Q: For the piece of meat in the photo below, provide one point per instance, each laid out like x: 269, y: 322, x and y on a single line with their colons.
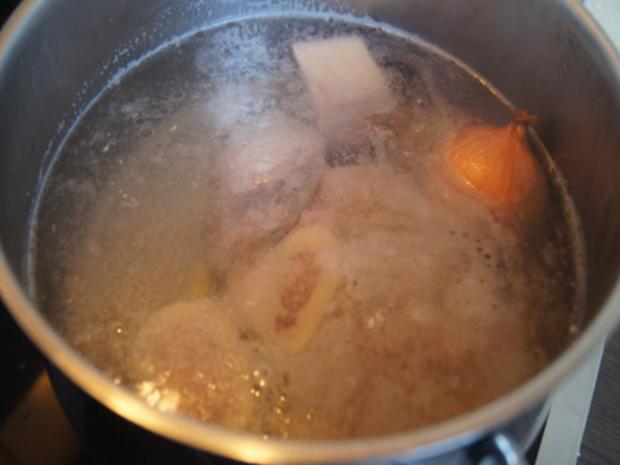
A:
x: 345, y: 82
x: 267, y: 175
x: 283, y: 297
x: 189, y: 358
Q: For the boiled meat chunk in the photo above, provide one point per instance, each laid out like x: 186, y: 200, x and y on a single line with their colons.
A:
x: 268, y: 174
x: 344, y: 81
x: 283, y: 299
x: 188, y: 358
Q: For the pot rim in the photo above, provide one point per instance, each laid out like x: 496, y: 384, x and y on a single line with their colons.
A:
x: 420, y: 443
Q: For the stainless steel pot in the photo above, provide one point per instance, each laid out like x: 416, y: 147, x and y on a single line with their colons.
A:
x: 545, y: 55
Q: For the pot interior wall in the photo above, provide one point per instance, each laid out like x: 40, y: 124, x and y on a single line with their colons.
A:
x: 535, y: 52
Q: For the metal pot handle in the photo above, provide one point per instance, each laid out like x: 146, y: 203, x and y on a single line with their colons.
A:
x: 498, y: 449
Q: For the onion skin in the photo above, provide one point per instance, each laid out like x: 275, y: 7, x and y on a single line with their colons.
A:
x: 496, y: 162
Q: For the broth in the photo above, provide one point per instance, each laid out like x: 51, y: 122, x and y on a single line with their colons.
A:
x: 212, y: 241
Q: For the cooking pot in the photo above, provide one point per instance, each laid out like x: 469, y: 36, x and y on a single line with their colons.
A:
x: 547, y: 56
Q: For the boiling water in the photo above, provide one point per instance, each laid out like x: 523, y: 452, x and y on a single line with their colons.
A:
x: 204, y: 240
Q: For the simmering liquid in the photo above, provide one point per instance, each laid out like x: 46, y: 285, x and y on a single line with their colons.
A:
x: 213, y: 242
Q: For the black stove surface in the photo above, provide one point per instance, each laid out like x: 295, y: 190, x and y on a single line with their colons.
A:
x: 20, y: 363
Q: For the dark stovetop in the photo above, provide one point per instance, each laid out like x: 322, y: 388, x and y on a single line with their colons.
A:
x: 6, y: 7
x: 601, y: 441
x: 20, y: 363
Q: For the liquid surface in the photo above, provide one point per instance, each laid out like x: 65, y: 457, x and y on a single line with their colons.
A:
x: 211, y: 243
